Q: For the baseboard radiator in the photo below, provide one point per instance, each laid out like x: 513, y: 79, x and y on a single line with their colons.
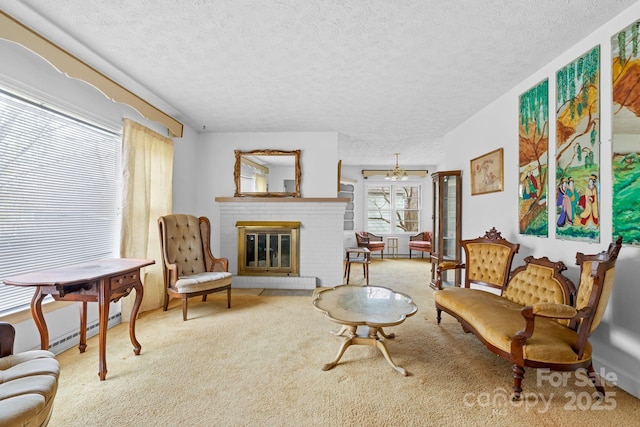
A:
x: 73, y: 338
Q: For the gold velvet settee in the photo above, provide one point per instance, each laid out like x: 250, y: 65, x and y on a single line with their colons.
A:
x: 28, y: 383
x: 538, y: 320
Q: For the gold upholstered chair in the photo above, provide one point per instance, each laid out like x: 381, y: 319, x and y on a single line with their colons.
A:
x: 556, y: 336
x: 189, y: 267
x: 487, y: 263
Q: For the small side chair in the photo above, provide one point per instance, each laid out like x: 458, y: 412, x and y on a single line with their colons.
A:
x: 370, y: 241
x: 189, y: 268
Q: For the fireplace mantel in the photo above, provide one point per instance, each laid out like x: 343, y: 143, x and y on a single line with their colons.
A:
x: 283, y: 199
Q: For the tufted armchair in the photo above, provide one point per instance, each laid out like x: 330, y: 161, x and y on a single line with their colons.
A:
x: 370, y: 241
x: 487, y: 261
x: 28, y: 383
x: 189, y: 267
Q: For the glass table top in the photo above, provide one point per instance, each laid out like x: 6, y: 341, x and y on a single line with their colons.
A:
x: 364, y: 305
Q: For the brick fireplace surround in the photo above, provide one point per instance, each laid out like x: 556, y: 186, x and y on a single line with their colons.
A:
x: 321, y: 236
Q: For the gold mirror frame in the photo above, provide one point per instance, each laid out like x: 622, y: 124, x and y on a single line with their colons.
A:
x: 236, y: 173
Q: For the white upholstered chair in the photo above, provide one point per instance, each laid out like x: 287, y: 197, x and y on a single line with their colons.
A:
x: 189, y: 267
x: 28, y: 383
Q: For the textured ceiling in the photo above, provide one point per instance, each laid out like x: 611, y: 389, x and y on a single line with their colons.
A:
x: 387, y: 75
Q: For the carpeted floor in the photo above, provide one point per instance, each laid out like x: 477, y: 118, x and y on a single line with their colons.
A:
x: 260, y: 364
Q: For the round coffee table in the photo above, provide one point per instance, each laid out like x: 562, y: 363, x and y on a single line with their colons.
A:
x: 373, y: 307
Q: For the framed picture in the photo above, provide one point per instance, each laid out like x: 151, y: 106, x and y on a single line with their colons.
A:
x: 487, y: 174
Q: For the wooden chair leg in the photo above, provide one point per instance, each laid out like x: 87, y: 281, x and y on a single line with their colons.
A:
x: 438, y: 315
x: 228, y: 297
x: 184, y: 307
x: 596, y: 381
x: 518, y: 375
x: 348, y: 271
x: 166, y: 300
x: 366, y: 272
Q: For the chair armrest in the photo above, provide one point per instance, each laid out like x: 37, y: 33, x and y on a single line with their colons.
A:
x: 555, y: 311
x: 375, y: 238
x: 443, y: 266
x: 218, y: 264
x: 418, y: 237
x: 548, y: 310
x: 7, y: 337
x: 449, y: 265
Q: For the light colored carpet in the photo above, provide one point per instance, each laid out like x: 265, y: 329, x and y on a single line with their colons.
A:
x: 260, y: 364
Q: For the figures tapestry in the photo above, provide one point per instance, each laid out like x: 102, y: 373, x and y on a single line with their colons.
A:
x: 577, y: 194
x: 626, y: 127
x: 533, y: 135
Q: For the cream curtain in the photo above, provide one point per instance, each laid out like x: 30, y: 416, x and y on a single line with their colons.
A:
x: 147, y: 169
x: 261, y: 182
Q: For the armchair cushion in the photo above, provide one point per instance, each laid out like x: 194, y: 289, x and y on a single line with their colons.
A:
x: 202, y: 281
x: 28, y: 383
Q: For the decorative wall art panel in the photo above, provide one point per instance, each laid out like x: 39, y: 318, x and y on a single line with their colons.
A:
x: 626, y: 134
x: 533, y: 135
x: 577, y: 193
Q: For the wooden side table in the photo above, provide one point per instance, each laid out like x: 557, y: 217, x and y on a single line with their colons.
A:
x: 101, y: 281
x: 353, y: 256
x: 392, y: 246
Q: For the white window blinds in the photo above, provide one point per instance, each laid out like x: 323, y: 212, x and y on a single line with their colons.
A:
x: 59, y: 193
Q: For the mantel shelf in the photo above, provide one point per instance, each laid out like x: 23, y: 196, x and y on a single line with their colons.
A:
x: 283, y: 199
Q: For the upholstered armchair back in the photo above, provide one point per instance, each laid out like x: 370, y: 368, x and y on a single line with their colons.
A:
x: 488, y: 263
x: 488, y: 260
x: 539, y: 284
x: 592, y: 272
x: 184, y: 246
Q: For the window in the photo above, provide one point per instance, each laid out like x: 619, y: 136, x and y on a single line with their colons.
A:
x: 59, y: 193
x: 393, y: 208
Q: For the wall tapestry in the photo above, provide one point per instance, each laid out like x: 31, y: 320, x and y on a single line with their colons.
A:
x: 578, y: 149
x: 533, y: 135
x: 626, y: 134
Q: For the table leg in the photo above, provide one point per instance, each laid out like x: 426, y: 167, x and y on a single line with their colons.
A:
x: 371, y: 339
x: 82, y: 346
x: 345, y: 344
x: 134, y: 314
x: 384, y: 335
x: 383, y: 348
x: 103, y: 320
x: 38, y: 318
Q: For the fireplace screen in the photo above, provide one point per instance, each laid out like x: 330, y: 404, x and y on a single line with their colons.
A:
x: 268, y: 248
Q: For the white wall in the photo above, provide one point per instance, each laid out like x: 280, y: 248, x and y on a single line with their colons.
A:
x: 216, y: 159
x: 617, y: 341
x: 185, y: 177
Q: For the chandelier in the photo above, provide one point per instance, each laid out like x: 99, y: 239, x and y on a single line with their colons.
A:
x: 396, y: 174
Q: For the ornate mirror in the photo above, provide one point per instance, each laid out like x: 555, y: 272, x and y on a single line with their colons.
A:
x: 267, y: 173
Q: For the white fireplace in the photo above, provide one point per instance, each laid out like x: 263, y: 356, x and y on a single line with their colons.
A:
x: 320, y: 238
